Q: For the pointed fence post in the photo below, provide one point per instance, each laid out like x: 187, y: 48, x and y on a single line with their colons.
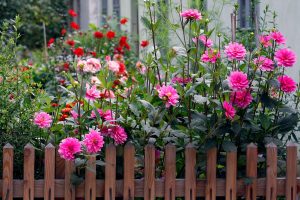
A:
x: 251, y: 171
x: 211, y: 166
x: 231, y: 171
x: 271, y: 187
x: 149, y: 167
x: 8, y: 164
x: 29, y: 156
x: 291, y: 172
x: 190, y: 172
x: 90, y: 179
x: 49, y: 172
x: 128, y: 187
x: 110, y: 172
x: 170, y: 172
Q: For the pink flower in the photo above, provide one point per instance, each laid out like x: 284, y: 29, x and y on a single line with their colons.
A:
x: 210, y: 55
x: 229, y: 110
x: 113, y: 66
x: 169, y: 95
x: 265, y: 40
x: 277, y: 37
x: 42, y: 119
x: 93, y: 141
x: 238, y: 81
x: 140, y: 67
x: 191, y: 14
x: 107, y: 94
x: 118, y: 134
x: 181, y: 80
x: 285, y: 57
x: 235, y: 51
x: 92, y: 93
x: 92, y: 65
x: 205, y: 40
x: 106, y: 116
x: 264, y: 63
x: 287, y: 84
x: 68, y: 148
x: 74, y: 114
x: 95, y: 80
x: 241, y: 98
x: 81, y: 65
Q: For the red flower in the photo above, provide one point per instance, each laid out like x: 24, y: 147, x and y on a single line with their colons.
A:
x: 127, y: 46
x: 118, y: 50
x: 98, y: 35
x: 72, y: 13
x: 110, y: 34
x: 51, y: 41
x: 70, y: 42
x: 93, y: 53
x: 123, y: 41
x: 144, y: 43
x: 123, y: 20
x: 63, y: 32
x: 54, y: 104
x: 78, y: 51
x: 66, y: 66
x: 74, y: 26
x: 122, y: 68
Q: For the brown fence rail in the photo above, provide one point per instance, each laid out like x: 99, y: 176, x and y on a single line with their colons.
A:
x: 54, y: 186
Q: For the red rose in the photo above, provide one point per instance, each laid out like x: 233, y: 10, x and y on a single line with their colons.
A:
x: 70, y: 42
x: 144, y: 43
x: 78, y: 51
x: 72, y: 13
x: 98, y: 35
x: 51, y: 41
x: 63, y: 32
x: 122, y: 68
x: 123, y: 41
x: 66, y: 66
x: 110, y: 34
x: 123, y: 20
x: 93, y: 53
x: 74, y: 26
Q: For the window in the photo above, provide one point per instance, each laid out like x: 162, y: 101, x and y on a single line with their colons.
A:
x: 104, y: 10
x: 244, y: 13
x: 116, y: 8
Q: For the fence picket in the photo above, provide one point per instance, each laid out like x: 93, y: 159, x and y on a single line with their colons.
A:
x: 231, y: 170
x: 49, y: 172
x: 291, y: 173
x: 190, y: 172
x: 8, y: 159
x: 90, y: 179
x: 271, y: 187
x: 110, y: 172
x: 251, y: 171
x: 149, y: 167
x: 210, y: 189
x: 29, y: 156
x: 170, y: 172
x: 69, y: 187
x: 128, y: 187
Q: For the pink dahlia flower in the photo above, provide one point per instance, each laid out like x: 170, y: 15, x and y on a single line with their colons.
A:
x: 191, y: 14
x: 205, y: 40
x: 68, y: 148
x: 169, y: 95
x: 118, y: 134
x: 106, y: 116
x: 210, y: 56
x: 265, y: 40
x: 92, y: 93
x: 113, y: 66
x: 92, y: 65
x: 238, y: 81
x: 241, y: 98
x: 287, y: 84
x: 93, y: 141
x: 81, y: 65
x: 235, y: 51
x: 181, y: 80
x: 74, y: 114
x: 229, y: 110
x: 264, y: 63
x: 107, y: 94
x: 285, y: 57
x: 42, y: 119
x: 277, y: 37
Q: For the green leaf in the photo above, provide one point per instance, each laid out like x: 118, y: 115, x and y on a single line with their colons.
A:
x: 265, y: 122
x: 146, y: 22
x: 76, y: 180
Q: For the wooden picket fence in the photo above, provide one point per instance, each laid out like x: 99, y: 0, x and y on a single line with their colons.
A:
x: 149, y: 187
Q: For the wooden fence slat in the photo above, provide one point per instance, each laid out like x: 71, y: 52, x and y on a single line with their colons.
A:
x: 211, y: 166
x: 190, y: 172
x: 29, y: 156
x: 170, y: 172
x: 251, y: 171
x: 69, y: 193
x: 49, y: 192
x: 8, y: 159
x: 231, y: 171
x: 149, y: 167
x: 291, y: 172
x: 271, y: 186
x: 129, y: 161
x: 59, y: 166
x: 110, y: 172
x: 90, y: 179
